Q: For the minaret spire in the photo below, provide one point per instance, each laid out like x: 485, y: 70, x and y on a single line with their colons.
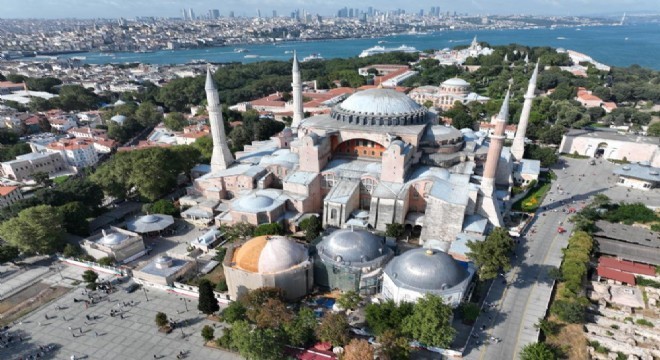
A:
x: 495, y: 147
x: 518, y: 147
x: 296, y: 88
x: 222, y: 157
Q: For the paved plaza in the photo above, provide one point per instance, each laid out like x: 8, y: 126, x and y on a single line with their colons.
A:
x: 131, y: 335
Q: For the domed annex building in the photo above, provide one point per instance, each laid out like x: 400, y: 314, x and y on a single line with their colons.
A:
x: 122, y: 245
x: 351, y: 260
x: 447, y: 94
x: 377, y: 158
x: 273, y: 261
x: 418, y: 272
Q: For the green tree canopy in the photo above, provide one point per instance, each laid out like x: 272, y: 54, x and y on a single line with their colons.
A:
x: 269, y: 229
x: 430, y: 322
x: 387, y: 316
x: 300, y: 331
x: 75, y: 216
x: 208, y: 304
x: 161, y: 319
x: 334, y: 329
x: 8, y: 253
x: 38, y: 229
x: 349, y: 300
x: 537, y: 351
x: 175, y: 121
x: 312, y: 226
x: 492, y: 254
x: 163, y: 206
x: 256, y: 344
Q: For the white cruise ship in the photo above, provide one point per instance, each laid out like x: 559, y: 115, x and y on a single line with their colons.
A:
x: 381, y: 50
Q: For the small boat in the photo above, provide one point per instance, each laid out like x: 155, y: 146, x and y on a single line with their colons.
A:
x: 288, y: 51
x: 240, y: 50
x: 561, y: 38
x: 251, y: 56
x: 81, y: 58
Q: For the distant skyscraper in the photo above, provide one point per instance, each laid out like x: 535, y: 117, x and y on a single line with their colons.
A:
x: 214, y: 14
x: 258, y: 13
x: 231, y: 14
x: 370, y: 11
x: 274, y: 13
x: 191, y: 14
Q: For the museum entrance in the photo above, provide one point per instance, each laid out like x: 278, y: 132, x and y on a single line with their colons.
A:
x: 600, y: 151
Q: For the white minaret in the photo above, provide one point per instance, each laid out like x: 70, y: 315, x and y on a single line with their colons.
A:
x: 222, y: 157
x: 518, y: 147
x: 296, y: 89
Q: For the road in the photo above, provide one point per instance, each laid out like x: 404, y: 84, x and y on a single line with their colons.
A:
x: 520, y: 303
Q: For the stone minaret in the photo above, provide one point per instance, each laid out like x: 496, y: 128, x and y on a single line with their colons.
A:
x: 488, y: 204
x: 495, y: 148
x: 222, y: 157
x: 296, y: 89
x: 518, y: 147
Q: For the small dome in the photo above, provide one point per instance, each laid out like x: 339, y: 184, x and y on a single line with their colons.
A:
x: 426, y: 269
x: 120, y: 119
x: 455, y: 82
x: 114, y: 238
x: 149, y: 219
x: 380, y: 101
x: 352, y: 246
x: 255, y: 202
x: 269, y: 254
x: 163, y: 262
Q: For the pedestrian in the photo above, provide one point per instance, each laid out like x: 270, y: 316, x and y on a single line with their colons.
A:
x: 80, y: 330
x: 96, y: 334
x: 86, y: 305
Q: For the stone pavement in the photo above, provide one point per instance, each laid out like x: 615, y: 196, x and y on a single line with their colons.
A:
x: 135, y: 336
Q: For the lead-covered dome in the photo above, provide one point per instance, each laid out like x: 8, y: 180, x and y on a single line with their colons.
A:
x: 255, y: 202
x: 456, y: 82
x: 269, y: 254
x: 352, y: 246
x: 113, y: 238
x: 384, y: 107
x: 426, y: 269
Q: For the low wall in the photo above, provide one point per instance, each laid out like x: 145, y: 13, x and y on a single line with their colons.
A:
x: 94, y: 266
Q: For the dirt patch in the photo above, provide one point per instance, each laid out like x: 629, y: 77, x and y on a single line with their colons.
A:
x: 217, y: 274
x: 571, y: 338
x: 28, y: 300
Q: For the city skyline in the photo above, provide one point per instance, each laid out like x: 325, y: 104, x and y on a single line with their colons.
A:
x: 172, y: 8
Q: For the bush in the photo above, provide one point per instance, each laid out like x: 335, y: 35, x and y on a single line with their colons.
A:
x: 614, y: 326
x: 568, y: 311
x: 221, y: 286
x: 269, y: 229
x: 470, y: 312
x: 72, y: 251
x: 234, y: 312
x: 207, y: 332
x: 224, y: 341
x: 394, y: 230
x: 641, y: 281
x: 630, y: 214
x: 161, y: 319
x: 644, y: 322
x: 220, y: 254
x: 107, y: 261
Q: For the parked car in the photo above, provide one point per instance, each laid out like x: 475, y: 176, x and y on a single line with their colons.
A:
x: 131, y: 288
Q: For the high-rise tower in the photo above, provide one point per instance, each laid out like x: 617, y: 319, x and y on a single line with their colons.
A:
x: 518, y: 147
x: 296, y: 89
x: 222, y: 157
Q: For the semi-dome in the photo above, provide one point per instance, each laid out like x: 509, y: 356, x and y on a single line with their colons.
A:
x: 349, y: 245
x: 382, y: 107
x: 380, y: 101
x: 120, y: 119
x: 455, y: 82
x: 426, y: 269
x: 114, y: 238
x: 269, y: 254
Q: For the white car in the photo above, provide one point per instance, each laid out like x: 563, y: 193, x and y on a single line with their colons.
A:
x: 359, y: 331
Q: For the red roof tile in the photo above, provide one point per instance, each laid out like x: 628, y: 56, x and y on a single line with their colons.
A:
x: 613, y: 274
x: 627, y: 266
x: 5, y: 190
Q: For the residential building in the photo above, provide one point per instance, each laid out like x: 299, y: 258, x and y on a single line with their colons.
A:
x: 9, y: 195
x: 26, y: 165
x: 78, y: 153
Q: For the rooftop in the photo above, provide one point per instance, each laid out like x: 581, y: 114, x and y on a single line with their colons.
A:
x: 642, y: 171
x: 610, y: 134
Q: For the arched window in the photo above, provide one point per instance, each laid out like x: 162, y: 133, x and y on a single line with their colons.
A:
x: 328, y: 181
x: 333, y: 214
x: 368, y: 184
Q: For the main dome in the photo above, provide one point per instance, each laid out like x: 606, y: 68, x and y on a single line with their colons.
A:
x: 426, y: 269
x: 380, y: 101
x: 379, y: 107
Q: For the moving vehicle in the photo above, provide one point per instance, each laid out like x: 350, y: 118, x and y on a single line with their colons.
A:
x: 561, y: 230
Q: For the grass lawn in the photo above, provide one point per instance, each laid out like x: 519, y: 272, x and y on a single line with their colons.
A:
x: 533, y: 199
x: 575, y: 156
x: 60, y: 179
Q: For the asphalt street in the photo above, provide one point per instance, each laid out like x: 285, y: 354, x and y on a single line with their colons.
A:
x: 520, y: 301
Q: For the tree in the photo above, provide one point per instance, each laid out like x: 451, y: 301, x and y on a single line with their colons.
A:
x: 349, y: 300
x: 547, y: 156
x: 256, y: 344
x: 300, y: 331
x: 470, y: 312
x: 208, y: 304
x: 334, y: 329
x: 147, y: 115
x: 90, y: 277
x: 312, y: 227
x: 72, y: 251
x: 161, y: 319
x: 42, y: 178
x: 205, y: 147
x: 239, y: 231
x: 601, y: 200
x: 393, y: 346
x: 394, y: 230
x: 387, y: 316
x: 163, y: 206
x: 272, y: 314
x: 537, y: 351
x: 38, y: 229
x: 430, y: 322
x: 462, y: 121
x: 234, y: 312
x: 269, y: 229
x: 492, y: 254
x: 75, y: 216
x: 358, y: 349
x: 75, y: 97
x: 221, y: 286
x: 107, y: 261
x: 207, y: 332
x: 548, y: 327
x: 568, y: 311
x: 654, y: 129
x: 8, y: 253
x: 175, y: 121
x: 552, y: 135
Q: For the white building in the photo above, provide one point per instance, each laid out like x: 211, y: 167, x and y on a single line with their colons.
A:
x: 640, y: 176
x: 447, y: 94
x: 123, y: 245
x: 78, y: 153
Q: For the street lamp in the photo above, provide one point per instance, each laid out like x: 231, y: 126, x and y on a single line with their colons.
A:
x: 185, y: 302
x: 145, y: 293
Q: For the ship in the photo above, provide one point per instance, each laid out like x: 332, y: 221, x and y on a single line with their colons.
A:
x: 240, y: 50
x: 251, y: 56
x: 382, y: 50
x: 312, y: 57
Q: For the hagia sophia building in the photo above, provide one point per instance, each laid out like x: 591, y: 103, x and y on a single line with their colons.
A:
x: 377, y: 158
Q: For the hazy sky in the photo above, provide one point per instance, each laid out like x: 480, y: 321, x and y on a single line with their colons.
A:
x: 172, y: 8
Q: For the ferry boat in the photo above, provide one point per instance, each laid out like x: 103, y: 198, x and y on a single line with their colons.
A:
x: 240, y: 50
x: 312, y: 57
x: 382, y: 50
